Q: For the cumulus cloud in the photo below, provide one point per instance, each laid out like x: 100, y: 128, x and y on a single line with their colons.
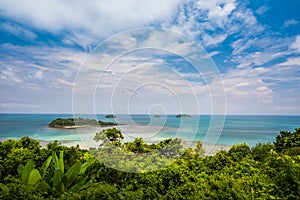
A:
x: 212, y: 22
x: 219, y: 15
x: 100, y: 18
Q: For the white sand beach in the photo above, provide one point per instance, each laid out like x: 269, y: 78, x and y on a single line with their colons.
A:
x: 149, y: 133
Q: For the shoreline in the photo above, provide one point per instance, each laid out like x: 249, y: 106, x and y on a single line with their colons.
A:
x: 70, y: 127
x: 209, y: 149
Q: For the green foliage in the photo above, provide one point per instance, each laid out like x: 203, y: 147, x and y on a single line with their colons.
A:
x: 26, y: 171
x: 284, y: 172
x: 262, y: 151
x: 137, y: 146
x: 15, y: 152
x: 34, y: 177
x: 30, y: 144
x: 45, y: 166
x: 286, y: 141
x: 109, y: 135
x: 240, y: 173
x: 239, y: 151
x: 58, y: 162
x: 199, y: 148
x: 13, y: 189
x: 170, y: 147
x: 102, y: 123
x: 61, y: 182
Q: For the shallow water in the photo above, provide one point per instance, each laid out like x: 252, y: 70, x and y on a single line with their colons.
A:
x: 237, y: 129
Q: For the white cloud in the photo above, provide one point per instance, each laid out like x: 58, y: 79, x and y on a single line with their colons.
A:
x: 212, y: 54
x: 213, y: 40
x: 18, y: 31
x: 99, y: 18
x: 219, y: 15
x: 39, y: 75
x: 42, y: 65
x: 246, y: 90
x: 296, y: 44
x: 261, y: 10
x: 210, y: 21
x: 208, y: 5
x: 290, y: 22
x: 10, y: 75
x: 64, y: 82
x: 19, y: 105
x: 247, y: 17
x: 214, y: 21
x: 291, y: 62
x: 267, y: 49
x: 263, y: 89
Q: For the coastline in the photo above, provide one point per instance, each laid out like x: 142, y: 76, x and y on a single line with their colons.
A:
x: 70, y: 127
x: 87, y: 132
x: 210, y: 149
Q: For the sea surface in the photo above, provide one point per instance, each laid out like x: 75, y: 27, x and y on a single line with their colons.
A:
x: 226, y: 130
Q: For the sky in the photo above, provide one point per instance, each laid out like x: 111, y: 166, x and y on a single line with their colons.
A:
x: 52, y: 52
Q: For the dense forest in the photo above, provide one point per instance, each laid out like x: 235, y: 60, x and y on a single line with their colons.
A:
x: 265, y: 171
x: 69, y: 122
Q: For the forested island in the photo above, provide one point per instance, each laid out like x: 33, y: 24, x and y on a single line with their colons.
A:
x: 110, y: 116
x: 183, y: 116
x: 265, y: 171
x: 70, y: 123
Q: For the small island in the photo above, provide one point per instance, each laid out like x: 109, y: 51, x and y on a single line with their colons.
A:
x: 110, y: 116
x: 157, y: 116
x: 183, y: 116
x: 69, y: 123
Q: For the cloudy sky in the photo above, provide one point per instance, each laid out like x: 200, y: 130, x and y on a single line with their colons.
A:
x: 255, y: 45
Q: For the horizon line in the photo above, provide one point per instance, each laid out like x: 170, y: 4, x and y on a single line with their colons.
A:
x: 227, y: 114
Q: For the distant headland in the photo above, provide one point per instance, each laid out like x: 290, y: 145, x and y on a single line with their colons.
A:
x: 72, y: 123
x: 110, y: 116
x: 183, y: 116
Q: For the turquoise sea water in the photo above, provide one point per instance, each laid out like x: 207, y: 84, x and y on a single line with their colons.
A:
x: 237, y: 128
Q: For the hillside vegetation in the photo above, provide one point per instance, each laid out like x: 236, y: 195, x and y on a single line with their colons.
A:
x: 266, y: 171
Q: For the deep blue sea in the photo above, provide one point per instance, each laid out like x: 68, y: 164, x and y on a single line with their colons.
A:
x: 237, y: 128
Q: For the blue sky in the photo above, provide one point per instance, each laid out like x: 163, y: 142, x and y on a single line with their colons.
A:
x: 254, y: 44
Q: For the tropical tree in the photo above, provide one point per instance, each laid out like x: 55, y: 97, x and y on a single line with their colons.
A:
x: 288, y: 142
x: 112, y: 135
x: 137, y: 146
x: 239, y: 151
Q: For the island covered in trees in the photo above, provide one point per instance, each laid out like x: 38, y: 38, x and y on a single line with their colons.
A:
x: 110, y: 116
x: 70, y: 123
x: 183, y: 116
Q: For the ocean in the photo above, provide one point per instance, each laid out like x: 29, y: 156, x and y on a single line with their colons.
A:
x: 248, y: 129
